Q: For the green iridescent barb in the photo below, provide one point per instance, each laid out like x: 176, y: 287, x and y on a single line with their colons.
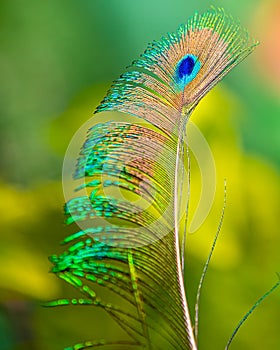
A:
x: 129, y: 242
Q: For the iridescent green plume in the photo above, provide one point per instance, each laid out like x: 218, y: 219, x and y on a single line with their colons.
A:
x: 128, y: 206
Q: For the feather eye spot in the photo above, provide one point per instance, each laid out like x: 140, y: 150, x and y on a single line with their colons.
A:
x: 186, y: 66
x: 186, y: 70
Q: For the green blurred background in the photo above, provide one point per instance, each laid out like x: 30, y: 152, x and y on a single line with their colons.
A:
x: 57, y: 59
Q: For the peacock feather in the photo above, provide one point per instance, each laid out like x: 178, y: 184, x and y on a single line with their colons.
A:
x: 129, y: 198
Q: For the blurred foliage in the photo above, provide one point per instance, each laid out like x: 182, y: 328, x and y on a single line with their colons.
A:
x: 57, y: 59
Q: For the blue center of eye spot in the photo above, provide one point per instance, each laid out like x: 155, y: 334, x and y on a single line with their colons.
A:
x: 186, y: 70
x: 186, y: 66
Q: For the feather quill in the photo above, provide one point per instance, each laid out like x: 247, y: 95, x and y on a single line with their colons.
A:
x: 132, y: 248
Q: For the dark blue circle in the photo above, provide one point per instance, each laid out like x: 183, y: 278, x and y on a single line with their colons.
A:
x: 186, y: 66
